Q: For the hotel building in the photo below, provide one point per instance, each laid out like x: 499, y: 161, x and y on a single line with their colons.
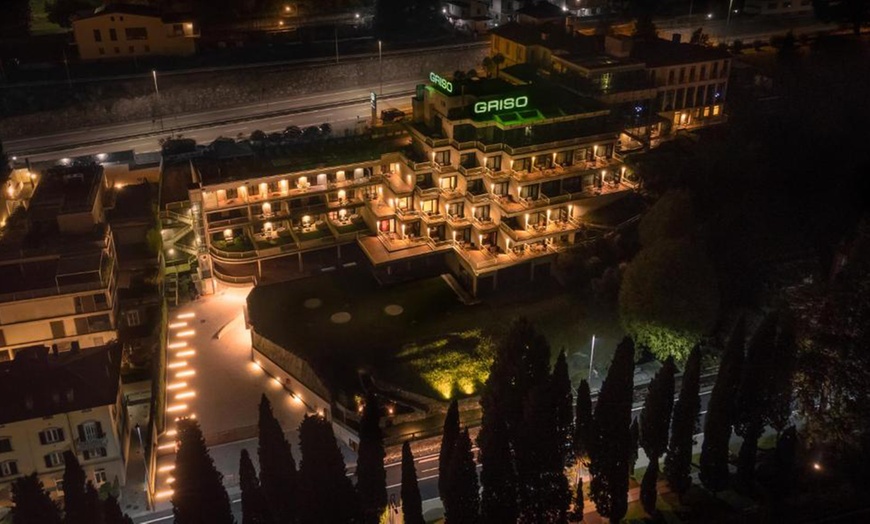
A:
x: 56, y: 402
x: 489, y: 176
x: 58, y: 262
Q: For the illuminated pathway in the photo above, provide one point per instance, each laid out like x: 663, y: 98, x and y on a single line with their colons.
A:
x: 210, y: 377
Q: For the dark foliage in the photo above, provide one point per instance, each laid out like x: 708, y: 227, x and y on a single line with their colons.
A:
x: 326, y: 494
x: 610, y: 458
x: 720, y: 413
x: 371, y: 476
x: 462, y: 491
x: 253, y: 502
x: 74, y: 501
x: 584, y: 433
x: 678, y: 463
x: 278, y: 476
x: 449, y: 435
x: 112, y: 513
x: 32, y: 505
x: 655, y: 422
x: 412, y: 503
x: 199, y: 495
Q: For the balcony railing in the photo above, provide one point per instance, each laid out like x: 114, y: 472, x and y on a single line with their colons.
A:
x: 472, y: 172
x: 92, y: 443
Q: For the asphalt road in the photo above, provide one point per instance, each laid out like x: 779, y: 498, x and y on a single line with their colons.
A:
x: 339, y: 108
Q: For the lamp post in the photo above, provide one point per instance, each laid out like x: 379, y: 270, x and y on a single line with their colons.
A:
x: 591, y: 358
x: 380, y: 70
x: 147, y: 475
x: 154, y: 75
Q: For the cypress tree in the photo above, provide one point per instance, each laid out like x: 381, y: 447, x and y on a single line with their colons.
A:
x: 578, y: 502
x: 754, y: 394
x: 584, y: 427
x: 253, y: 502
x: 462, y: 490
x: 199, y: 495
x: 563, y: 401
x: 609, y: 467
x: 412, y: 503
x: 449, y: 435
x: 720, y: 413
x: 655, y: 421
x: 278, y: 477
x: 498, y: 477
x: 784, y: 361
x: 326, y: 493
x: 678, y: 463
x: 93, y: 506
x: 371, y: 476
x: 112, y: 513
x: 31, y: 504
x: 540, y: 462
x: 74, y: 501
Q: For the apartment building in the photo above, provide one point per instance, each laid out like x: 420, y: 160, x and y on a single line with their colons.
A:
x: 58, y: 263
x: 131, y: 30
x: 54, y: 402
x: 654, y: 86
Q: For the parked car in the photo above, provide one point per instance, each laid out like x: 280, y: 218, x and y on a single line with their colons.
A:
x: 292, y: 133
x: 325, y: 129
x: 392, y: 115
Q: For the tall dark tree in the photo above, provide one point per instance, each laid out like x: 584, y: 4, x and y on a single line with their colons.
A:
x: 5, y: 165
x: 31, y: 504
x: 544, y: 495
x: 326, y: 494
x: 655, y: 422
x: 371, y: 476
x: 563, y: 402
x: 720, y: 413
x: 754, y: 395
x: 578, y: 504
x: 74, y: 503
x: 93, y: 505
x: 781, y: 379
x: 584, y: 428
x: 199, y: 495
x: 112, y: 513
x: 278, y: 477
x: 609, y: 467
x: 498, y: 476
x: 253, y: 503
x: 678, y: 463
x: 449, y: 434
x: 412, y: 503
x: 60, y: 12
x: 462, y: 491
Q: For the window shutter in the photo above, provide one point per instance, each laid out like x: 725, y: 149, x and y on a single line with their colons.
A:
x: 60, y: 432
x: 47, y: 461
x: 81, y: 428
x: 99, y: 428
x: 13, y: 468
x: 42, y: 439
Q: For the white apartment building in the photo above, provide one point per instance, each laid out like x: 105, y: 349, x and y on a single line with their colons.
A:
x: 54, y: 402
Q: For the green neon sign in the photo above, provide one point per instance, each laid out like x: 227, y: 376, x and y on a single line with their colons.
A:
x: 501, y: 104
x: 441, y: 82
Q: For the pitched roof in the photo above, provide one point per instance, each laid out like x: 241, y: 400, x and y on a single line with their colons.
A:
x: 38, y: 384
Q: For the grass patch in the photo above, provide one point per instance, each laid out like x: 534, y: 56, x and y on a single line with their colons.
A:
x: 39, y: 24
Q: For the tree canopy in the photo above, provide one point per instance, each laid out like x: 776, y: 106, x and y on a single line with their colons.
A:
x: 678, y: 462
x: 278, y: 476
x: 371, y: 476
x: 412, y: 503
x: 199, y: 494
x: 670, y: 218
x: 669, y: 298
x: 326, y: 494
x: 32, y: 505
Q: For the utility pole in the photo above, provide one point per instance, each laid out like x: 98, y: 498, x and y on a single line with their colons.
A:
x: 157, y: 94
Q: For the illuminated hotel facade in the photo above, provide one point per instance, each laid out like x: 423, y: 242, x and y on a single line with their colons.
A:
x: 488, y: 174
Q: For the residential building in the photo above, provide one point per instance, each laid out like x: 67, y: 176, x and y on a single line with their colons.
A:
x: 472, y: 16
x: 55, y: 402
x: 132, y: 30
x: 59, y: 266
x: 653, y: 87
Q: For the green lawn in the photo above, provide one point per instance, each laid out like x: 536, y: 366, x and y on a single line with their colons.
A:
x: 437, y: 346
x: 39, y: 24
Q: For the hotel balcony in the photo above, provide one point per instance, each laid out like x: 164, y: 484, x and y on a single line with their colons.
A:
x: 489, y: 258
x: 399, y: 184
x: 432, y: 218
x: 471, y: 173
x: 457, y: 221
x: 567, y: 170
x: 303, y: 185
x: 540, y: 231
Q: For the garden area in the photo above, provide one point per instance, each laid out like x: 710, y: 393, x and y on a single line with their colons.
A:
x: 240, y: 243
x: 417, y: 335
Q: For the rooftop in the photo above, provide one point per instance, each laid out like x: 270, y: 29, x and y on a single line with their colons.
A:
x: 132, y: 9
x: 541, y: 10
x: 218, y: 165
x: 39, y: 384
x: 661, y: 52
x: 66, y: 189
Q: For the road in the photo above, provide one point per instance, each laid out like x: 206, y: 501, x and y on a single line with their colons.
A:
x: 340, y: 108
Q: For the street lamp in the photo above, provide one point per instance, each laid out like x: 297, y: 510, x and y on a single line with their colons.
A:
x: 591, y: 357
x: 154, y: 75
x: 147, y: 475
x: 380, y: 70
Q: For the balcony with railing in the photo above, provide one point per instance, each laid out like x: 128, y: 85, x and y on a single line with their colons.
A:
x: 538, y: 231
x: 92, y: 443
x: 399, y: 184
x: 470, y: 173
